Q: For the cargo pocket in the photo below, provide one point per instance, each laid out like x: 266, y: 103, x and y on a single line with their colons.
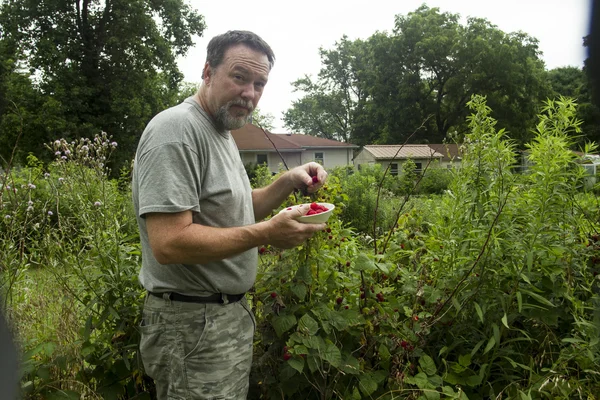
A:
x: 244, y: 304
x: 154, y: 344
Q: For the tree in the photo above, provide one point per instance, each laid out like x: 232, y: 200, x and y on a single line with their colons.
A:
x: 382, y: 89
x: 263, y: 120
x: 575, y: 83
x: 328, y: 110
x: 99, y: 65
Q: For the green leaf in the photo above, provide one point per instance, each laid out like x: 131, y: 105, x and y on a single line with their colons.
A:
x: 314, y: 342
x: 63, y: 395
x: 420, y: 380
x: 364, y: 263
x: 524, y: 396
x: 367, y: 384
x: 43, y: 373
x: 299, y: 290
x: 451, y: 378
x: 297, y: 363
x: 479, y: 312
x: 283, y: 323
x: 350, y: 365
x: 338, y: 321
x: 427, y: 364
x: 383, y: 267
x: 496, y: 330
x: 572, y: 340
x: 457, y: 368
x: 308, y: 325
x: 520, y: 301
x: 490, y: 345
x: 473, y: 380
x: 456, y: 304
x: 505, y: 320
x: 431, y: 394
x: 383, y: 351
x: 332, y: 355
x: 464, y: 360
x: 539, y: 298
x: 448, y: 391
x: 477, y: 346
x: 313, y: 363
x: 304, y: 274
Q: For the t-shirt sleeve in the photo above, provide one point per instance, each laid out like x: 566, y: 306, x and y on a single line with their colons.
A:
x: 168, y: 179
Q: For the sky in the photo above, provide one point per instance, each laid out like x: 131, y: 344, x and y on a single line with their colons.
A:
x: 296, y: 30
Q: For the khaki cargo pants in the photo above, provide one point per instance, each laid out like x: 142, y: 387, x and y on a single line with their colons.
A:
x: 197, y: 351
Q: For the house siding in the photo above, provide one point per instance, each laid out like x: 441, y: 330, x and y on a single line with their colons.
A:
x: 331, y: 157
x: 274, y: 161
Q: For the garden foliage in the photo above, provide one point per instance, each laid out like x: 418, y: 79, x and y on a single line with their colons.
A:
x: 486, y: 290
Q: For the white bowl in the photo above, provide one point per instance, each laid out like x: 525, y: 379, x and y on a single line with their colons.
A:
x: 315, y: 218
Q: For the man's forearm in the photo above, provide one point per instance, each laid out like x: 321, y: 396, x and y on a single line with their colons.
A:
x: 266, y: 199
x: 199, y: 244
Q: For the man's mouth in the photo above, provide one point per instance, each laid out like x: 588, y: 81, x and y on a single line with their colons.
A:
x: 241, y: 106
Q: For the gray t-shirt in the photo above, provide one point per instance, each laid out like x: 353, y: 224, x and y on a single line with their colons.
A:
x: 184, y: 163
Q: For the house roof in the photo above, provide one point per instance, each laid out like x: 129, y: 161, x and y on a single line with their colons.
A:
x: 251, y: 138
x: 450, y: 151
x: 313, y: 141
x: 387, y: 152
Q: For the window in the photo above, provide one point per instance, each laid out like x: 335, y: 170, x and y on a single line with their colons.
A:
x: 319, y: 158
x: 394, y: 169
x: 418, y: 167
x: 261, y: 159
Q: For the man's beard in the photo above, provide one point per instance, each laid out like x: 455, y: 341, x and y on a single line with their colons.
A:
x: 229, y: 122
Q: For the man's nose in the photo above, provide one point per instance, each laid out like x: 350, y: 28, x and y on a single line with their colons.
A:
x: 248, y: 91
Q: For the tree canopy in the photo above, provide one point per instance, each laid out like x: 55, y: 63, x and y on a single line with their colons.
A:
x: 382, y: 89
x: 73, y: 68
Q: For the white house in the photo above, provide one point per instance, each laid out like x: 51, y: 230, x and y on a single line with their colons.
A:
x: 263, y: 147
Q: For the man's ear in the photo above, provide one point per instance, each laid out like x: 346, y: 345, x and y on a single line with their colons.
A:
x: 207, y: 74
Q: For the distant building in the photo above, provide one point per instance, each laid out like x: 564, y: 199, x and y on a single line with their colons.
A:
x: 447, y: 155
x: 263, y: 147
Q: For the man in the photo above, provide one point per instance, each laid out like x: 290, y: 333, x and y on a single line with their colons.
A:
x: 197, y: 217
x: 8, y: 361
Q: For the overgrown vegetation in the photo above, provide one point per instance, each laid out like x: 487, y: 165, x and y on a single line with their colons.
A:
x: 487, y: 290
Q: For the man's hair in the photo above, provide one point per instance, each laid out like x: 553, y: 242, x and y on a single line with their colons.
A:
x: 219, y: 44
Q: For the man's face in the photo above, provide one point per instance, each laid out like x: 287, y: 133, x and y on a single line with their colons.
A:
x: 236, y: 85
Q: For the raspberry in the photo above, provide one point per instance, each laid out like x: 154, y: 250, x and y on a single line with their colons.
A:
x: 262, y: 250
x: 273, y: 294
x: 314, y: 206
x: 347, y: 263
x: 339, y: 300
x: 315, y: 179
x: 328, y: 230
x: 404, y: 344
x: 287, y: 356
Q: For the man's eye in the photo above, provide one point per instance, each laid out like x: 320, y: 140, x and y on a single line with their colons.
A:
x: 239, y: 77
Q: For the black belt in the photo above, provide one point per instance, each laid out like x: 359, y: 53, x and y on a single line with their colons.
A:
x: 213, y: 298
